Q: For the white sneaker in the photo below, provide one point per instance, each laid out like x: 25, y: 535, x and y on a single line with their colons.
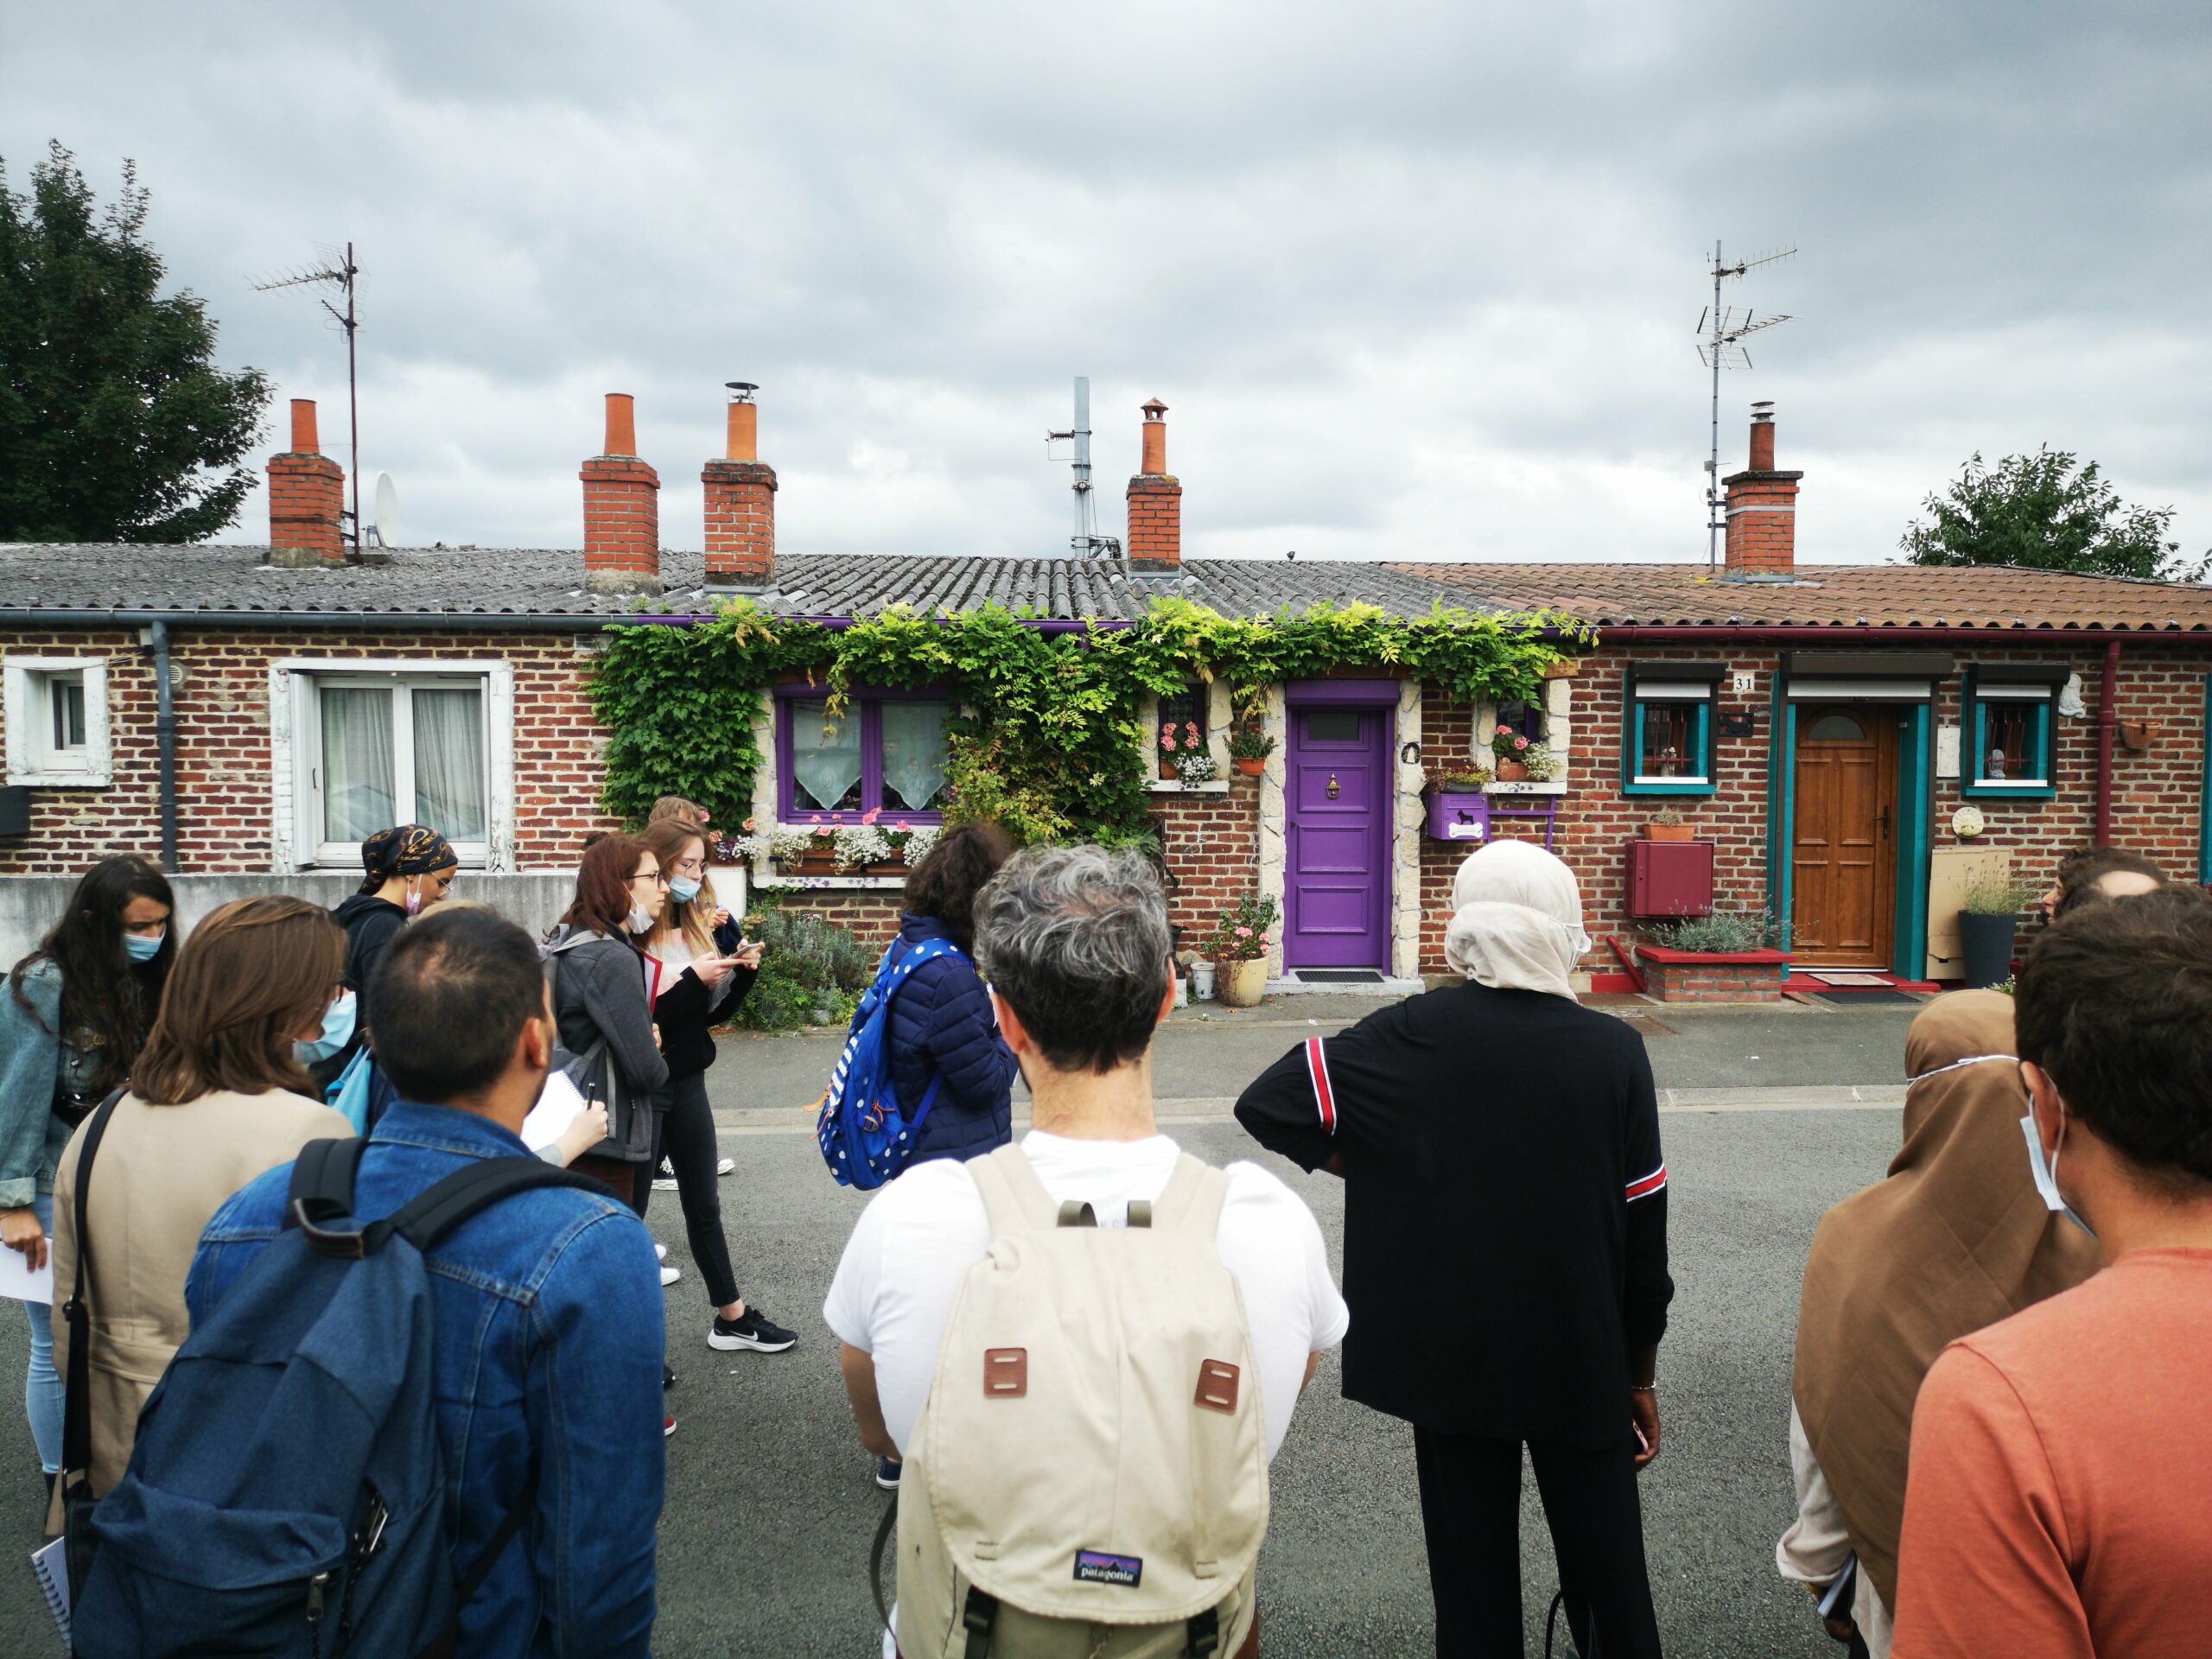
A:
x: 669, y: 1275
x: 660, y: 1250
x: 726, y: 1167
x: 665, y: 1184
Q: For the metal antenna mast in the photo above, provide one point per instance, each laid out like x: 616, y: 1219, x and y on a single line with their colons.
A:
x: 341, y: 274
x: 1086, y: 542
x: 1721, y: 346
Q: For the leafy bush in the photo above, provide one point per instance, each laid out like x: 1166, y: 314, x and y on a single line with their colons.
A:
x: 1724, y: 933
x: 810, y: 967
x: 1996, y: 892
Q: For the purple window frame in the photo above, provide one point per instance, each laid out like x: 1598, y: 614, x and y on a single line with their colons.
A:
x: 869, y: 700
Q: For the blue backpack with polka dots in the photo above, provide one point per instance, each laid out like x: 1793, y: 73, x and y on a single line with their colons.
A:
x: 866, y: 1139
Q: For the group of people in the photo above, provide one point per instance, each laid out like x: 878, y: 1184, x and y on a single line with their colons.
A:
x: 1089, y: 1339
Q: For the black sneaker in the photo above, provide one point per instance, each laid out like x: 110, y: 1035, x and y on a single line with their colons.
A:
x: 887, y: 1473
x: 749, y: 1330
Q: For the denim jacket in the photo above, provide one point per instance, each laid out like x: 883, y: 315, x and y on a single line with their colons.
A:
x: 34, y: 1060
x: 548, y: 1344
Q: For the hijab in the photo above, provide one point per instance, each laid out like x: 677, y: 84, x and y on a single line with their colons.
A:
x: 403, y: 849
x: 1516, y: 921
x: 1954, y: 1240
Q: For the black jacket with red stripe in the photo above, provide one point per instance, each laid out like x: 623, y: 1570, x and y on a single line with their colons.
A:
x: 1505, y: 1206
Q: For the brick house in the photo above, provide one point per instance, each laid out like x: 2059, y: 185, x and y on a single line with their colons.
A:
x: 249, y: 712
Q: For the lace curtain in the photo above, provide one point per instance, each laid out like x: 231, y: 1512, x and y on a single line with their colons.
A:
x: 913, y: 754
x: 825, y: 757
x: 449, y: 761
x: 357, y: 781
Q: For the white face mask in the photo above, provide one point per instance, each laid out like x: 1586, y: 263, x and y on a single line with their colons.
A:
x: 2046, y: 1173
x: 640, y: 920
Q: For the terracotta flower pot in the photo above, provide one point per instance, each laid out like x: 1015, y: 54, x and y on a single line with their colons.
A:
x: 1250, y: 765
x: 1167, y: 772
x: 1242, y: 983
x: 1670, y: 832
x: 1512, y: 772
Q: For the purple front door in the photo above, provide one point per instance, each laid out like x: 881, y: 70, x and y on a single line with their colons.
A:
x: 1336, y: 889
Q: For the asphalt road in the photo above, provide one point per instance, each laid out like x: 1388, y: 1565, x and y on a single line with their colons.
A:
x: 770, y: 1506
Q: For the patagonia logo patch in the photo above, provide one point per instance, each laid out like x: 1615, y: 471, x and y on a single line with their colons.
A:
x: 1097, y: 1567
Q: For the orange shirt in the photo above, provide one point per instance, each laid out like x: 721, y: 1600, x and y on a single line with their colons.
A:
x: 2057, y: 1504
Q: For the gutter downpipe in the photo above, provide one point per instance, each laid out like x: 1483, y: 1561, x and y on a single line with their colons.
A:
x: 165, y: 741
x: 2107, y: 715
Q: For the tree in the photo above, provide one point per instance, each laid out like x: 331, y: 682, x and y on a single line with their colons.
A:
x: 115, y: 423
x: 2039, y: 512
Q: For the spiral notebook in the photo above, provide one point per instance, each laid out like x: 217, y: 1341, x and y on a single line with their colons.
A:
x: 51, y: 1568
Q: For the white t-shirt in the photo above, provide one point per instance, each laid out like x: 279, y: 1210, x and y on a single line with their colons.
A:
x: 919, y: 1236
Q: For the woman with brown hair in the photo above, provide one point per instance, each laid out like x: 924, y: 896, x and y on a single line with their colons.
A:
x: 219, y: 1095
x: 699, y: 985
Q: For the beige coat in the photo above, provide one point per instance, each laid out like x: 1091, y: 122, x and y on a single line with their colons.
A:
x: 161, y: 1174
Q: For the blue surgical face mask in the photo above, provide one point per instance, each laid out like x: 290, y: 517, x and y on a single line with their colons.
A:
x: 140, y: 947
x: 337, y: 1032
x: 684, y: 888
x: 2046, y: 1171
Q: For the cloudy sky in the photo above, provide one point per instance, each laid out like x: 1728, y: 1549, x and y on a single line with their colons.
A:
x: 1415, y: 279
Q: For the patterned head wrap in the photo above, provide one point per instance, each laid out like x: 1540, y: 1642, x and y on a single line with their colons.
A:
x: 403, y: 849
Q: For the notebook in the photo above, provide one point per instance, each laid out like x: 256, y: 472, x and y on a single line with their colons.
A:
x: 51, y: 1568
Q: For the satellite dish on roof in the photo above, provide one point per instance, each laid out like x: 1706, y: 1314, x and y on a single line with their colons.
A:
x: 385, y: 525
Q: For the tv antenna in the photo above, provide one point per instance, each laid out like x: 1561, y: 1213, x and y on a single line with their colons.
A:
x: 336, y: 271
x: 1721, y: 332
x: 1086, y: 542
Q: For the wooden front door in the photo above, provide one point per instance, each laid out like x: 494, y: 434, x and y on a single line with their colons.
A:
x: 1843, y: 857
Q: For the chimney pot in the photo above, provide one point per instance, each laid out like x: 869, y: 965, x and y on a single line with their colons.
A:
x: 1155, y: 539
x: 621, y: 424
x: 304, y: 441
x: 743, y: 439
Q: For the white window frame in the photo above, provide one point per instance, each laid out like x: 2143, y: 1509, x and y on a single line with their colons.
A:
x: 32, y: 759
x: 295, y: 752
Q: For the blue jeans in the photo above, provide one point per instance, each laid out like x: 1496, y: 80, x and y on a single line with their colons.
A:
x: 43, y: 1395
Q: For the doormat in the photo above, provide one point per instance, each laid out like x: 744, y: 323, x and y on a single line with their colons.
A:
x: 1855, y: 979
x: 1861, y: 999
x: 1338, y: 977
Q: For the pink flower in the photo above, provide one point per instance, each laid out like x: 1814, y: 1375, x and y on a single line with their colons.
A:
x: 903, y: 827
x: 871, y: 815
x: 748, y: 826
x: 1519, y: 742
x: 1192, y: 726
x: 1167, y: 737
x: 1243, y: 932
x: 814, y: 818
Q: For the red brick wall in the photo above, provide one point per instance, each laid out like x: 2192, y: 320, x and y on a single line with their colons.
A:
x: 1212, y: 844
x: 1713, y: 982
x: 1155, y: 526
x: 871, y: 917
x: 223, y: 753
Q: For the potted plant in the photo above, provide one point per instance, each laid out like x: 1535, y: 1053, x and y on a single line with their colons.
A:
x: 1240, y: 947
x: 1194, y: 767
x: 1250, y: 747
x: 1175, y: 741
x: 1989, y: 920
x: 1458, y: 808
x: 1511, y: 750
x: 1669, y: 824
x: 1540, y: 763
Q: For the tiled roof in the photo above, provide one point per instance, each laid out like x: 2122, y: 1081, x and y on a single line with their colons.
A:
x: 464, y: 582
x: 1845, y: 596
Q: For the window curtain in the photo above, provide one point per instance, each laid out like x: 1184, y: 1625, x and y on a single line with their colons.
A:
x: 913, y: 754
x: 449, y: 761
x: 825, y: 757
x: 357, y: 781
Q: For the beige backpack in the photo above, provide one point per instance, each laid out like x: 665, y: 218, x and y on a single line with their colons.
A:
x: 1088, y: 1475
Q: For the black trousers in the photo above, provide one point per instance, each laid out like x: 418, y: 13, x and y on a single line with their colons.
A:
x: 1470, y: 1511
x: 683, y: 1129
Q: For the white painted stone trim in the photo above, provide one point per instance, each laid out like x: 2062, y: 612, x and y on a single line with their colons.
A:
x: 29, y: 762
x: 293, y: 843
x: 1559, y: 737
x: 1220, y: 719
x: 1177, y: 786
x: 829, y: 883
x: 1274, y: 845
x: 1406, y: 832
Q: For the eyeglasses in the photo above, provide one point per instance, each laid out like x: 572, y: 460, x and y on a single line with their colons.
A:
x: 657, y: 877
x: 691, y: 867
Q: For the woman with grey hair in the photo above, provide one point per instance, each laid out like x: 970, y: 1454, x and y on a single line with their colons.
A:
x: 1505, y: 1251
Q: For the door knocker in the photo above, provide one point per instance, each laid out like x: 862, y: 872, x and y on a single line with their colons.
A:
x: 1332, y: 786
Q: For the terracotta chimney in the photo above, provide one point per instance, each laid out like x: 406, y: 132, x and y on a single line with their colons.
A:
x: 1155, y: 532
x: 307, y: 497
x: 741, y: 501
x: 1762, y: 508
x: 621, y: 510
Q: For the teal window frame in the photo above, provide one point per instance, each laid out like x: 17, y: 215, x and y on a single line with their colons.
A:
x: 1974, y: 727
x: 1701, y: 746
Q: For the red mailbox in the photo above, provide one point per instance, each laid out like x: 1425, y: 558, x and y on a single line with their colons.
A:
x: 1670, y: 878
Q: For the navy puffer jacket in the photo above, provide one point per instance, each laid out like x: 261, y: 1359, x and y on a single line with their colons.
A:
x: 941, y: 1025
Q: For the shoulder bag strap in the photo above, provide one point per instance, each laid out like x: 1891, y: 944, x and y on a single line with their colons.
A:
x: 77, y: 1409
x: 323, y: 1180
x: 437, y: 1210
x: 1014, y: 1197
x: 1190, y: 1202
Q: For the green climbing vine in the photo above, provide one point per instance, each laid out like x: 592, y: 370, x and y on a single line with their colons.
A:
x: 1049, y: 743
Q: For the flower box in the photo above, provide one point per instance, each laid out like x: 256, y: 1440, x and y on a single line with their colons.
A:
x: 1458, y: 815
x: 1713, y: 976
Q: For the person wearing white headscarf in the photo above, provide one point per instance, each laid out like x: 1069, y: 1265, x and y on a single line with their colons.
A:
x: 1505, y: 1251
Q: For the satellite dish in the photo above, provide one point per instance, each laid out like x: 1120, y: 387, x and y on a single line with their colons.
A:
x: 386, y: 522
